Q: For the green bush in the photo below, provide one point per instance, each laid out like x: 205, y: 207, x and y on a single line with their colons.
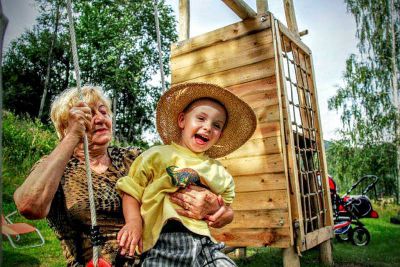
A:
x: 24, y: 142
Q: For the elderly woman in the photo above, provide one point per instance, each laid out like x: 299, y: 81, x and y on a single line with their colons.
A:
x: 56, y: 188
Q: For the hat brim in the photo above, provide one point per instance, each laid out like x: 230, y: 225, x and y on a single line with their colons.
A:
x: 239, y: 127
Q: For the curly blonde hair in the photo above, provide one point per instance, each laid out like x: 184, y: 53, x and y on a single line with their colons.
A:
x: 60, y: 107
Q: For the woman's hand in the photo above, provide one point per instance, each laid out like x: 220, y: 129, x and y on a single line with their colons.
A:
x: 79, y: 120
x: 197, y: 202
x: 130, y: 236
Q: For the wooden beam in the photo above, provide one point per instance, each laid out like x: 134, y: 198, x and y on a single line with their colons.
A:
x: 253, y: 237
x: 240, y: 8
x: 317, y: 237
x: 302, y: 33
x: 290, y: 16
x: 232, y: 31
x: 262, y: 6
x: 184, y: 20
x: 290, y: 167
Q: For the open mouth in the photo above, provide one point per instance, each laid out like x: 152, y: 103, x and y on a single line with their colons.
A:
x: 201, y: 139
x: 100, y: 131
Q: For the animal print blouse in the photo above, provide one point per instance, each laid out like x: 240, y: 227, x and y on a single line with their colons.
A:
x: 69, y: 215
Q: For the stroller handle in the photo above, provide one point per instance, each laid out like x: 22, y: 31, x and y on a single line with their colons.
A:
x: 368, y: 188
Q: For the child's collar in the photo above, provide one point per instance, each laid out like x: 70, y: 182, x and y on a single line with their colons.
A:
x: 187, y: 150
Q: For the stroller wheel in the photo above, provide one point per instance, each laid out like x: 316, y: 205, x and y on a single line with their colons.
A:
x: 360, y: 236
x: 345, y: 236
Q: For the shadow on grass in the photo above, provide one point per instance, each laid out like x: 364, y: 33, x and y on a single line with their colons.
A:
x: 18, y: 258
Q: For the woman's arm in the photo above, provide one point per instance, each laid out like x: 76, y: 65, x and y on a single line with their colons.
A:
x: 200, y: 203
x: 33, y: 198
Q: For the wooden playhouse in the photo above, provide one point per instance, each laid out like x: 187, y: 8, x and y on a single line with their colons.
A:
x: 282, y: 194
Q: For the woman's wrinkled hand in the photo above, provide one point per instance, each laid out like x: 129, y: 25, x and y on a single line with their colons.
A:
x: 129, y: 237
x: 79, y: 120
x: 196, y: 201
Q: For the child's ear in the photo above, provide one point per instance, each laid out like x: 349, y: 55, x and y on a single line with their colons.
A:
x: 181, y: 120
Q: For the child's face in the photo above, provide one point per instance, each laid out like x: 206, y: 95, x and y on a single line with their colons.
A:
x: 201, y: 125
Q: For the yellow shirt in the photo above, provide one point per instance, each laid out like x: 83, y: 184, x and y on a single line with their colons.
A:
x: 149, y: 182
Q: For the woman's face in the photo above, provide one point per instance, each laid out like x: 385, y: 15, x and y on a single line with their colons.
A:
x: 101, y: 123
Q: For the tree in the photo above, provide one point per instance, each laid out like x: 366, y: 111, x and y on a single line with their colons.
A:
x: 365, y: 101
x: 50, y: 58
x: 24, y: 70
x: 117, y: 50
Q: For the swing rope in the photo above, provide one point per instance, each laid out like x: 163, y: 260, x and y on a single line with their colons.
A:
x: 159, y: 45
x: 94, y: 229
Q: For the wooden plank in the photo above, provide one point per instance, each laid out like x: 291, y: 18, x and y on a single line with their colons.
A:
x: 261, y: 98
x: 232, y: 31
x: 240, y: 8
x: 260, y: 219
x: 224, y: 62
x: 260, y: 182
x: 265, y: 113
x: 293, y: 37
x: 255, y: 87
x: 261, y: 200
x: 291, y: 16
x: 184, y: 20
x: 267, y: 129
x: 258, y: 42
x: 258, y: 147
x: 243, y: 74
x: 262, y: 6
x: 258, y: 237
x: 317, y: 237
x: 254, y: 165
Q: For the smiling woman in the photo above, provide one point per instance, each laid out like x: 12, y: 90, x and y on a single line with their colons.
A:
x: 56, y: 187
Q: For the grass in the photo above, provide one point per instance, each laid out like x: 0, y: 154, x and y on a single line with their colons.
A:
x: 381, y: 251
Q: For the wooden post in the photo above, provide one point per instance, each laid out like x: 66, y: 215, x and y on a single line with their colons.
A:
x: 291, y: 16
x: 325, y: 253
x: 184, y: 20
x: 262, y: 6
x: 240, y: 8
x: 290, y: 257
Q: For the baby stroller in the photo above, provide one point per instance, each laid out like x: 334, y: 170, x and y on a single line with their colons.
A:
x: 348, y: 210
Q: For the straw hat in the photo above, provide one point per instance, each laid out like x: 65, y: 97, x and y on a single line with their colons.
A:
x: 239, y: 127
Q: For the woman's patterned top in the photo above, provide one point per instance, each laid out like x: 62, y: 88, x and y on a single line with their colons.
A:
x: 69, y: 215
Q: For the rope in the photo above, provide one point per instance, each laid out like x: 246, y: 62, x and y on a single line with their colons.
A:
x: 159, y: 45
x: 85, y: 140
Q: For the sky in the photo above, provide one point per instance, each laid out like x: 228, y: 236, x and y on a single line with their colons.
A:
x: 331, y: 37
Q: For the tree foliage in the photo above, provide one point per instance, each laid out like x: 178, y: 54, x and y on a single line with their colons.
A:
x: 365, y: 101
x: 117, y: 50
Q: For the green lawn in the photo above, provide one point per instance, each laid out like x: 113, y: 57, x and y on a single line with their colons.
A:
x: 383, y: 250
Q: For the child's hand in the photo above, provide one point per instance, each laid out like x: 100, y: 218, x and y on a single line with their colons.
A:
x: 220, y: 218
x: 130, y: 236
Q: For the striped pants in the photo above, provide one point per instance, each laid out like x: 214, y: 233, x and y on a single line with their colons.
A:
x: 186, y: 249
